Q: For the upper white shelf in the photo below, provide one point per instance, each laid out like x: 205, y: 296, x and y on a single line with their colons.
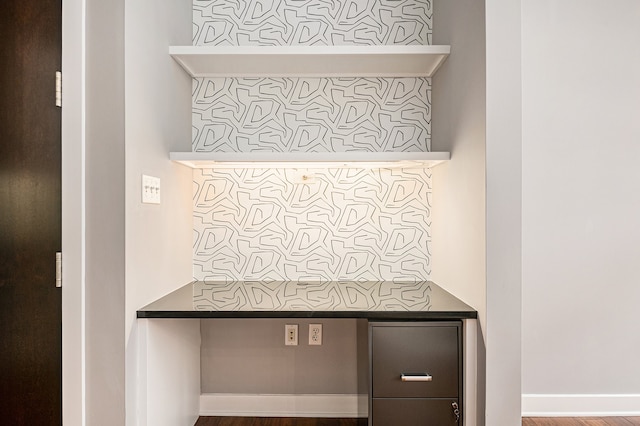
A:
x: 309, y: 160
x: 310, y: 61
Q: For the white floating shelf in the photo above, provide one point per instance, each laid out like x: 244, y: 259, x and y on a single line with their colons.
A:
x: 310, y: 61
x: 309, y: 160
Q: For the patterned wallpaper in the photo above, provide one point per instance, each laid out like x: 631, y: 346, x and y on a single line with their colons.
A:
x: 255, y: 224
x: 311, y: 114
x: 313, y: 296
x: 349, y: 224
x: 311, y: 22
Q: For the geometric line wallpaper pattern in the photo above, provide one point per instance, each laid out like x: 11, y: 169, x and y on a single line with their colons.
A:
x: 378, y: 296
x: 311, y: 22
x: 311, y: 114
x: 348, y: 224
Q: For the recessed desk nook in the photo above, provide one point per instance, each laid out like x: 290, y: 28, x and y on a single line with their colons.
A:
x: 414, y: 335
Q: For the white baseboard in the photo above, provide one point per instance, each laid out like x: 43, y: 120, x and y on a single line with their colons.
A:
x: 559, y: 405
x: 262, y: 405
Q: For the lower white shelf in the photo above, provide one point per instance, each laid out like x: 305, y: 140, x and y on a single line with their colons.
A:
x: 310, y: 61
x: 309, y: 160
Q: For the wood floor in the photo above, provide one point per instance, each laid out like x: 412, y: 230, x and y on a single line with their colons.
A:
x: 300, y: 421
x: 581, y: 421
x: 277, y: 421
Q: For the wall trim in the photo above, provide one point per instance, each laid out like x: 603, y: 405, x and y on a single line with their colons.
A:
x: 543, y: 405
x: 265, y: 405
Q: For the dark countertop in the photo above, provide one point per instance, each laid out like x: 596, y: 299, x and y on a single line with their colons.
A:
x: 376, y: 300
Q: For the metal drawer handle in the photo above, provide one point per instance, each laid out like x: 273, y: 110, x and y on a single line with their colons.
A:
x: 416, y: 377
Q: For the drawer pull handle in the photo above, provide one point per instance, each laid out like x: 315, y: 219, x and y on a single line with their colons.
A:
x: 416, y: 377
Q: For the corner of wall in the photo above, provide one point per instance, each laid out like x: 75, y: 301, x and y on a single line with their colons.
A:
x: 504, y: 212
x: 158, y: 238
x: 459, y: 186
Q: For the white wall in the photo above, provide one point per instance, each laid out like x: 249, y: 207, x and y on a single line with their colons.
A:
x: 458, y: 221
x: 100, y: 195
x: 503, y: 210
x: 458, y: 116
x: 566, y: 262
x: 158, y: 120
x: 93, y: 213
x: 246, y: 370
x: 170, y: 359
x: 581, y: 206
x: 249, y: 356
x: 73, y: 224
x: 105, y: 213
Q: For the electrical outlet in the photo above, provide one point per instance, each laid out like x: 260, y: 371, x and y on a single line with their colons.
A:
x: 150, y: 189
x: 291, y: 334
x: 315, y: 334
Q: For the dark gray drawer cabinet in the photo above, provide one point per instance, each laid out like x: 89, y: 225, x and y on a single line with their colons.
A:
x: 415, y: 373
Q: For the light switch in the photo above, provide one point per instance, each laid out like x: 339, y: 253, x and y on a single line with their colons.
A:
x: 150, y: 189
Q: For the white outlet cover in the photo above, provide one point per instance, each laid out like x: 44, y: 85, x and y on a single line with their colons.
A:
x: 315, y: 334
x: 291, y: 334
x: 150, y: 189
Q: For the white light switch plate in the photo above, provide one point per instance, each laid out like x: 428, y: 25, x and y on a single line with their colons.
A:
x: 150, y: 189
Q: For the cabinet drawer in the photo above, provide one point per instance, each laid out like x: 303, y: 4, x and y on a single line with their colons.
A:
x: 413, y: 412
x: 426, y: 348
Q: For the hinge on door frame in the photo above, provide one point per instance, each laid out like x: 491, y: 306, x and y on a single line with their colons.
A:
x: 58, y: 88
x: 59, y: 269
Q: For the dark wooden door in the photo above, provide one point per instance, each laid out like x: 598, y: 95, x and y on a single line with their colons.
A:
x: 30, y: 213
